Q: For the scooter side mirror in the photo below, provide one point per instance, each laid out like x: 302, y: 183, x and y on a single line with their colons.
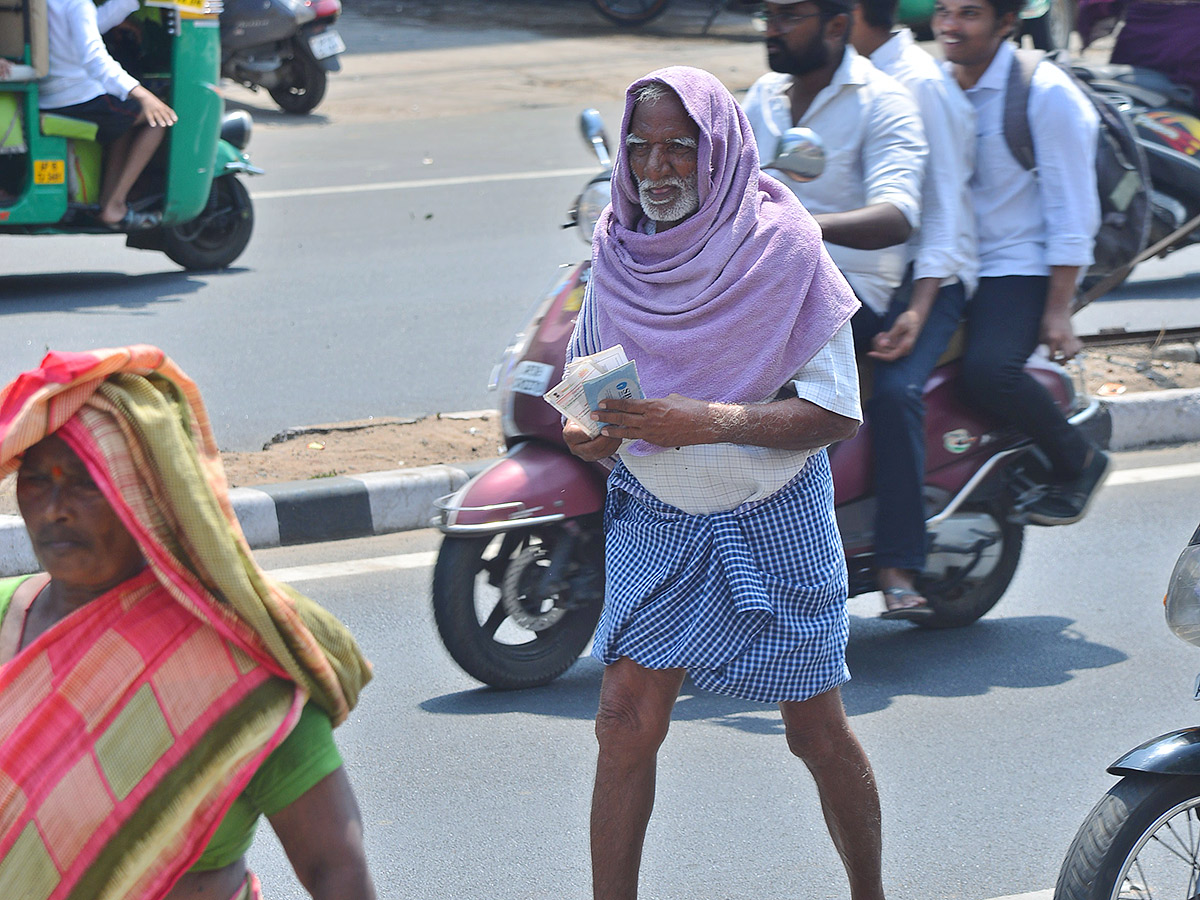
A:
x: 800, y: 154
x: 591, y: 125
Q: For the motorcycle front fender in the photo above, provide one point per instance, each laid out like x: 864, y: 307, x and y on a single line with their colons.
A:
x: 533, y: 484
x: 1174, y: 753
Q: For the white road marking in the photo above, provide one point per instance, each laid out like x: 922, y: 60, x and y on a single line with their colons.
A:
x: 354, y: 567
x: 1033, y: 895
x: 418, y: 183
x: 1153, y: 473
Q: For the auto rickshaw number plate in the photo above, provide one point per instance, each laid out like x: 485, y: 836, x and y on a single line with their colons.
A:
x: 49, y: 171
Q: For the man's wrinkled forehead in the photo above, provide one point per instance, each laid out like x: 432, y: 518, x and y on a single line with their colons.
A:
x: 656, y: 107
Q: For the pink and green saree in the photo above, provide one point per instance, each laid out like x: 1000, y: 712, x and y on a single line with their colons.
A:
x: 128, y: 728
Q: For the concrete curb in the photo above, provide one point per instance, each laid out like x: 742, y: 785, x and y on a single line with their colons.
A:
x: 327, y: 509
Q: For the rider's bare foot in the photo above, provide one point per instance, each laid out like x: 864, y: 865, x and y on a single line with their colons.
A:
x: 900, y: 596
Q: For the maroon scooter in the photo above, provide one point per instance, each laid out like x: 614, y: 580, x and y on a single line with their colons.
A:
x: 519, y: 581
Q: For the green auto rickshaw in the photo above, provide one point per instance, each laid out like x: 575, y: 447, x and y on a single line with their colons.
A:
x: 50, y: 165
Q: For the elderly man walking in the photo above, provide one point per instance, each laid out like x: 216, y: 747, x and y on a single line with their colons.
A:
x: 724, y: 561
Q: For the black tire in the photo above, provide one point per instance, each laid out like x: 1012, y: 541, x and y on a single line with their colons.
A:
x: 630, y: 12
x: 302, y: 85
x: 957, y: 602
x: 477, y: 629
x: 1053, y: 30
x: 217, y: 236
x: 1131, y: 836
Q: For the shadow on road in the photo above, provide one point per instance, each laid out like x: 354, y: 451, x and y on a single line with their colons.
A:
x: 83, y: 291
x: 886, y: 662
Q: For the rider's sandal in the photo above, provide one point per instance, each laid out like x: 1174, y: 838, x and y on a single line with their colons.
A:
x: 134, y: 220
x: 906, y: 613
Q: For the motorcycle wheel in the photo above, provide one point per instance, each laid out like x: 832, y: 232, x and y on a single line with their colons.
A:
x: 479, y: 629
x: 630, y: 12
x: 303, y: 87
x: 958, y: 602
x: 217, y: 236
x: 1139, y: 841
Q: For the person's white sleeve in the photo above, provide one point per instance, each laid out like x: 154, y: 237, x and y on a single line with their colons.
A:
x: 940, y: 248
x: 1065, y: 127
x: 894, y: 152
x: 830, y: 378
x: 113, y: 13
x: 89, y: 49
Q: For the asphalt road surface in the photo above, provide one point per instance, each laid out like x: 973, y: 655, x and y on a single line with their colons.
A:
x: 404, y: 231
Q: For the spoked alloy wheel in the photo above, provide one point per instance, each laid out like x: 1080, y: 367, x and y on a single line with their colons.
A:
x: 1140, y: 842
x: 496, y: 619
x: 630, y: 12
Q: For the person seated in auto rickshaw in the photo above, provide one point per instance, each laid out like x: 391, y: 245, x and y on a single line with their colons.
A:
x: 85, y: 82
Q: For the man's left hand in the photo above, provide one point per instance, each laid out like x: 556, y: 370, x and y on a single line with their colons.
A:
x: 897, y: 342
x: 1059, y: 336
x: 673, y: 421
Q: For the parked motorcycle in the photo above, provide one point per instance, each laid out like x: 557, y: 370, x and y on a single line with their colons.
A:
x: 1165, y: 118
x: 285, y: 46
x: 1142, y: 839
x: 519, y: 581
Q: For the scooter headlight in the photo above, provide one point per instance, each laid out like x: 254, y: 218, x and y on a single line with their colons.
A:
x: 596, y: 196
x: 1183, y: 594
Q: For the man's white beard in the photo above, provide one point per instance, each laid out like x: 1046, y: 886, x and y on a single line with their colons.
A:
x: 685, y: 203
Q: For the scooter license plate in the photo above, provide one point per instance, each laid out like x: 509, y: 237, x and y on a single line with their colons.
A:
x: 531, y: 377
x: 326, y: 44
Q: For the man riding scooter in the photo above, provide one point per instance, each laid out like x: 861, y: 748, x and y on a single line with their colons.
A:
x: 85, y: 82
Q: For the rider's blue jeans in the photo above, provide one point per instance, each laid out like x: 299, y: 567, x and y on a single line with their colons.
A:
x: 896, y: 417
x: 1004, y: 326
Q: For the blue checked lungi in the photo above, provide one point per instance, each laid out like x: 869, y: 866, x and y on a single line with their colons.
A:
x: 752, y: 602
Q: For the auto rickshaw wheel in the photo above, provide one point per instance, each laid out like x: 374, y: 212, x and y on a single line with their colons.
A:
x: 217, y: 236
x: 303, y: 86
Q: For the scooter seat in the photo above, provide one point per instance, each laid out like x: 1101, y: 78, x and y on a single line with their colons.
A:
x: 54, y: 125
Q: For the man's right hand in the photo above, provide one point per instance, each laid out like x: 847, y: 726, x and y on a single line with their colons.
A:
x: 589, y: 449
x: 155, y: 113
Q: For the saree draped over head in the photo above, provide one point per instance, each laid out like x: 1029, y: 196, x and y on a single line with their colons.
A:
x: 729, y: 303
x: 129, y: 727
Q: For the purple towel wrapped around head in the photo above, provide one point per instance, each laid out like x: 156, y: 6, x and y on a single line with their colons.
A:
x: 729, y: 303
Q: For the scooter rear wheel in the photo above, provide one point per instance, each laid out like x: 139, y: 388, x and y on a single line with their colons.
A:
x: 303, y: 87
x: 1138, y: 841
x: 960, y: 600
x: 495, y: 623
x: 630, y: 12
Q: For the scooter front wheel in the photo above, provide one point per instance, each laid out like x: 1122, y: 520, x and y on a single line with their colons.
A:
x: 1139, y: 841
x: 511, y: 613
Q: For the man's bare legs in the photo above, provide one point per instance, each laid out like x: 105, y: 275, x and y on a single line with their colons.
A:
x: 128, y: 155
x: 632, y: 722
x: 819, y: 733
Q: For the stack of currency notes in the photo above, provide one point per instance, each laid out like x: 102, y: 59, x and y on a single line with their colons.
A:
x: 590, y: 379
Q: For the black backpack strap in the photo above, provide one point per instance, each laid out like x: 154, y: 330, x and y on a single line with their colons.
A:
x: 1017, y: 133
